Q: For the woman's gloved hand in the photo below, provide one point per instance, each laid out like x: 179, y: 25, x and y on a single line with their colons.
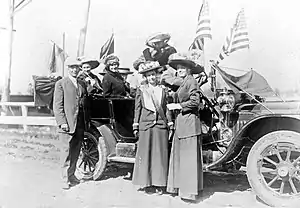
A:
x: 136, y: 133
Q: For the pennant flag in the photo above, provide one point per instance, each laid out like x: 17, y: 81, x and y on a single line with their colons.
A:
x: 57, y: 59
x: 203, y: 27
x: 61, y: 53
x: 52, y: 67
x: 238, y: 38
x: 108, y: 47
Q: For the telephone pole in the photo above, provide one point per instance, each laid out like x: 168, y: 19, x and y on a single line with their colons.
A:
x: 5, y: 97
x: 6, y: 90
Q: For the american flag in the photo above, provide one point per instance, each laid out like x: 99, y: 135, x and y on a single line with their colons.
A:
x: 203, y: 27
x: 108, y: 47
x: 238, y: 38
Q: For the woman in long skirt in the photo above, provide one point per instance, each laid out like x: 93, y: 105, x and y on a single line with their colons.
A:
x: 151, y: 123
x: 185, y: 167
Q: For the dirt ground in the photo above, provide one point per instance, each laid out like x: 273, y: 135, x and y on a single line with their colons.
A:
x: 29, y: 177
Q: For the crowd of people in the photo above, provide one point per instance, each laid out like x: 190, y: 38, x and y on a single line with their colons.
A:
x: 163, y: 89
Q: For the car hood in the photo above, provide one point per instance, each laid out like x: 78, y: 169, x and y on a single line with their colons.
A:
x: 277, y: 107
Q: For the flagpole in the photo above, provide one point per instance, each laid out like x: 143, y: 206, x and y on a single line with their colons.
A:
x: 83, y: 31
x: 113, y: 33
x: 5, y: 96
x: 6, y: 91
x: 63, y: 62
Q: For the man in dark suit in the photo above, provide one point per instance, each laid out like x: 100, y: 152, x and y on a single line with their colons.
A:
x: 72, y: 117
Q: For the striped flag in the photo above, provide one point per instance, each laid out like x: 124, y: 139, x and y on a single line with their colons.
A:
x: 238, y: 38
x: 108, y: 47
x: 203, y: 27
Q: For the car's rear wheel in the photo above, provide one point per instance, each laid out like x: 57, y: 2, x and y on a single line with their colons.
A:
x: 273, y: 168
x: 93, y: 156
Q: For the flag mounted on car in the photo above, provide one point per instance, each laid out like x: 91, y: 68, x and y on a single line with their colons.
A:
x: 203, y: 27
x: 238, y: 38
x: 108, y: 47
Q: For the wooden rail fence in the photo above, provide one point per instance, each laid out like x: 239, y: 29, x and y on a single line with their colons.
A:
x: 24, y: 119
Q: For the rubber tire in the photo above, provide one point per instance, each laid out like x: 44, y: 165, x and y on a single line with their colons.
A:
x: 257, y: 183
x: 102, y: 162
x: 100, y: 166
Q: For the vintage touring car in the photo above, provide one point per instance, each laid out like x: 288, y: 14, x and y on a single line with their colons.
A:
x: 240, y: 128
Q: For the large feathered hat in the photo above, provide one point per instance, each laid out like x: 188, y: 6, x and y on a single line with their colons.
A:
x: 158, y: 37
x: 150, y: 66
x: 92, y: 62
x: 192, y: 60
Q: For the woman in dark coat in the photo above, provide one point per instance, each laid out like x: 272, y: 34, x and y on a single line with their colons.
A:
x: 113, y: 83
x: 151, y: 122
x: 185, y: 167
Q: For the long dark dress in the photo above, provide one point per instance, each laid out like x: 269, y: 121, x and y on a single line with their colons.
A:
x: 185, y: 167
x: 151, y: 166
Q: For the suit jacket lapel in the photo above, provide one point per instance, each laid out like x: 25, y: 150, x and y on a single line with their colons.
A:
x: 80, y: 89
x: 73, y: 86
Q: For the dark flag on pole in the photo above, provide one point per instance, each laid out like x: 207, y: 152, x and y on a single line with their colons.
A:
x: 52, y: 66
x: 57, y: 59
x: 251, y: 82
x: 108, y: 47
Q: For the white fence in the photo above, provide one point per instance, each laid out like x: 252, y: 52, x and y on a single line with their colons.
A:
x: 25, y: 120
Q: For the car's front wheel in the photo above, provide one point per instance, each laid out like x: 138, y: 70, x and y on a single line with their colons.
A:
x: 273, y: 168
x: 93, y: 156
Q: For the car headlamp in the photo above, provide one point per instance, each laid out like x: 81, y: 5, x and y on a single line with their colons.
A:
x: 226, y: 135
x: 226, y: 101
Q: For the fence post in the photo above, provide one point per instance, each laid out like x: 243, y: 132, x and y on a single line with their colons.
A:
x: 24, y: 114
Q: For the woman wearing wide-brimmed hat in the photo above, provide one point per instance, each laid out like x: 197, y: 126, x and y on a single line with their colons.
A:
x: 124, y: 72
x: 185, y: 167
x: 88, y: 64
x: 157, y: 49
x: 151, y: 122
x: 113, y: 83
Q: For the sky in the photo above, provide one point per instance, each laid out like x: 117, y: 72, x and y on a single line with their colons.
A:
x: 273, y: 27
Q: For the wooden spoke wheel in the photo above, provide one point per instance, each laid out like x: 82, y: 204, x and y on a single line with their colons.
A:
x: 93, y: 158
x: 273, y: 168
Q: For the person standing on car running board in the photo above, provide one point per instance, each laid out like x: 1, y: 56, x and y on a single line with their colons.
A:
x: 72, y: 118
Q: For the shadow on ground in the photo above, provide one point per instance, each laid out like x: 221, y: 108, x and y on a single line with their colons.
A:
x: 223, y: 182
x: 115, y: 170
x: 213, y: 181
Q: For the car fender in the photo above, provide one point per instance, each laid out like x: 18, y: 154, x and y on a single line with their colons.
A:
x: 258, y: 127
x: 109, y: 137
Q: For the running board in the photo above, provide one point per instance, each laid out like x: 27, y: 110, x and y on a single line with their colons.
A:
x: 121, y: 159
